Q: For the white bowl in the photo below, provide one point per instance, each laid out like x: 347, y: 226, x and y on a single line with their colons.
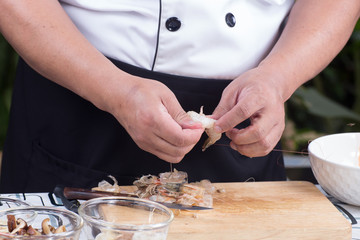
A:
x: 335, y: 163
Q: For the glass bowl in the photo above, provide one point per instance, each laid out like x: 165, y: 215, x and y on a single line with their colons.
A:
x: 125, y: 218
x: 35, y: 217
x: 6, y: 203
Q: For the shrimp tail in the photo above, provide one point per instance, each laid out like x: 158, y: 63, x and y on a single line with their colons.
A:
x: 213, y: 137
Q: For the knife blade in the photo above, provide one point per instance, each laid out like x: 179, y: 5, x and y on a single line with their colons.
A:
x: 86, y: 194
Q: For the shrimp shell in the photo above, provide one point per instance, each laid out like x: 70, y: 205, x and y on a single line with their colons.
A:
x: 208, y: 124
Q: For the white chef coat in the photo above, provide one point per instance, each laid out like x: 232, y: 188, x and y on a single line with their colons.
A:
x: 202, y: 43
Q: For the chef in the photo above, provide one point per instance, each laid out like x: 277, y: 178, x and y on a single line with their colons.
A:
x: 103, y: 87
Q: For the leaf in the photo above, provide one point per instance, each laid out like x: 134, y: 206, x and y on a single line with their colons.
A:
x: 322, y: 106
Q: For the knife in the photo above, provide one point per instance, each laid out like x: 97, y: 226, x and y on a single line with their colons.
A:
x: 86, y: 194
x: 70, y: 204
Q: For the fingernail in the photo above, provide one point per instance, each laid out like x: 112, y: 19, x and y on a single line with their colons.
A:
x: 194, y: 124
x: 191, y: 122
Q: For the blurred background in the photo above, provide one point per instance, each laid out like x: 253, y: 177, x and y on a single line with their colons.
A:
x: 328, y: 104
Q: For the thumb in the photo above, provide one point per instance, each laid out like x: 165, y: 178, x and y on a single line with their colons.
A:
x: 186, y: 122
x: 225, y: 105
x: 179, y: 115
x: 221, y: 113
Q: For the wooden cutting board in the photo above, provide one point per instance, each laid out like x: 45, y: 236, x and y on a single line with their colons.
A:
x: 263, y: 210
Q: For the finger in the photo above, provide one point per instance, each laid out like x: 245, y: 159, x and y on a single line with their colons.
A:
x: 224, y: 106
x: 244, y: 109
x: 166, y: 151
x: 169, y: 130
x: 186, y: 122
x: 174, y: 156
x: 261, y: 125
x: 262, y: 147
x: 175, y: 110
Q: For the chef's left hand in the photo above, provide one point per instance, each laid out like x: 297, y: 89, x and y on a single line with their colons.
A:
x: 310, y: 40
x: 256, y: 95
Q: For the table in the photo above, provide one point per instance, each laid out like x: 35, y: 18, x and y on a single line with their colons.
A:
x: 351, y: 213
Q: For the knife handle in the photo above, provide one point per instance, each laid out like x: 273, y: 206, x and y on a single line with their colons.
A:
x: 86, y: 194
x: 70, y: 204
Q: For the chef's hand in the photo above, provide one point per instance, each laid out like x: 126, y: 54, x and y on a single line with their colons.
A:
x: 310, y: 40
x: 153, y: 117
x: 253, y: 95
x: 147, y: 109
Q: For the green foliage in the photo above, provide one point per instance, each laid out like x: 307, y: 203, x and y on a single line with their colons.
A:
x: 328, y: 104
x: 8, y: 60
x: 321, y: 106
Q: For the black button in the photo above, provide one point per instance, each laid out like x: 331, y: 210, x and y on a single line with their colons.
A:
x: 230, y: 19
x: 173, y: 24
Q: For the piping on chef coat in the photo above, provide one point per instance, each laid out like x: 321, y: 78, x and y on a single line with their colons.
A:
x: 196, y: 38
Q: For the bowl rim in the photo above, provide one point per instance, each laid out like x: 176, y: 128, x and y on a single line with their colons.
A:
x: 125, y: 227
x: 77, y: 228
x: 311, y: 153
x: 15, y: 200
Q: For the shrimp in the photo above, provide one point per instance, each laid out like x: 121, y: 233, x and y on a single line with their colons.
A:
x: 208, y: 124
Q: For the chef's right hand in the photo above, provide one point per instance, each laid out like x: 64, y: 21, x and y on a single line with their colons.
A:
x: 153, y: 117
x: 146, y: 109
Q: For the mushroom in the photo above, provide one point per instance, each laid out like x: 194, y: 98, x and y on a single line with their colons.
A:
x: 52, y: 229
x: 45, y: 226
x: 20, y: 224
x: 11, y: 222
x: 32, y: 232
x: 22, y: 231
x: 60, y: 229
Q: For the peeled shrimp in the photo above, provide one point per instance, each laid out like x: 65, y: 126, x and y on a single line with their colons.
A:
x: 208, y: 124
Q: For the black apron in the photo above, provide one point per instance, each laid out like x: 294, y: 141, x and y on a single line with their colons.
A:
x: 56, y: 137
